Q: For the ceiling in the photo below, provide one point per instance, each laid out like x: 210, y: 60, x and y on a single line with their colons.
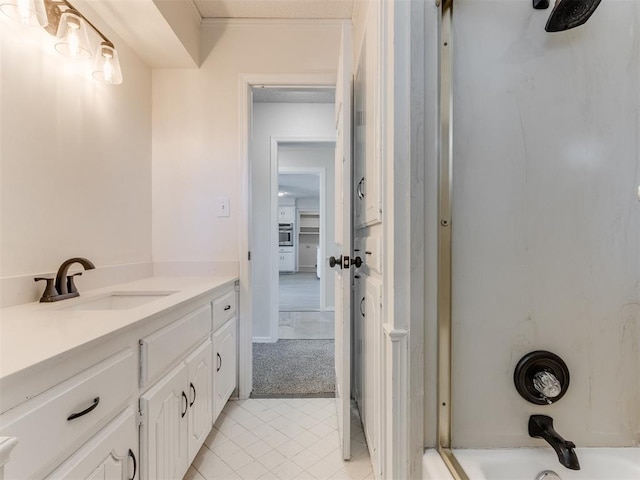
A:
x: 302, y: 9
x: 299, y: 185
x: 166, y: 33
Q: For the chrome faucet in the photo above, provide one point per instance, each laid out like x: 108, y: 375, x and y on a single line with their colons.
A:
x: 64, y: 286
x: 541, y: 426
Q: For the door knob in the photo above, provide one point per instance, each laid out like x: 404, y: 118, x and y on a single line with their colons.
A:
x: 333, y: 261
x: 357, y: 262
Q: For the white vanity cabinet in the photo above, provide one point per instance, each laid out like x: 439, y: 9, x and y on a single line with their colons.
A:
x: 176, y: 416
x: 200, y: 414
x: 132, y: 402
x: 176, y: 412
x: 110, y: 455
x: 163, y: 433
x: 52, y: 425
x: 225, y: 350
x: 224, y: 379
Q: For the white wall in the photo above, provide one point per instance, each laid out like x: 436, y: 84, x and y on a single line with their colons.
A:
x: 310, y: 204
x: 546, y: 220
x: 196, y: 137
x: 75, y: 158
x: 275, y: 120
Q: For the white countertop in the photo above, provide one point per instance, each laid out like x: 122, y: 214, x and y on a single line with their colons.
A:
x: 35, y: 332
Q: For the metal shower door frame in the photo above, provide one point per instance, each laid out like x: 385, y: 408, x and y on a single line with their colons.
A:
x: 445, y: 203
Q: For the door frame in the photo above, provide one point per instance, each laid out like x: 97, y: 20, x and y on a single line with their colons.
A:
x: 245, y: 113
x: 275, y: 171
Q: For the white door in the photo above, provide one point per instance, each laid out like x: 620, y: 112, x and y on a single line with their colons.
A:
x: 343, y: 234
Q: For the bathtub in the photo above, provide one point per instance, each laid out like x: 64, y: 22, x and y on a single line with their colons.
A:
x: 528, y: 463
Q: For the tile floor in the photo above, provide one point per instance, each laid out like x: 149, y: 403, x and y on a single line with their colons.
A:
x: 280, y: 439
x: 306, y: 325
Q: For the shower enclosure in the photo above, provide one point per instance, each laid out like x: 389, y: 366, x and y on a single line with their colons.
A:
x: 539, y: 236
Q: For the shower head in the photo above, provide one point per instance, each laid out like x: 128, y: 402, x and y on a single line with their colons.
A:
x: 568, y: 14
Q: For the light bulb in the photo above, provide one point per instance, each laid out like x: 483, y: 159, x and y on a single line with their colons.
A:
x: 106, y: 67
x: 72, y: 36
x: 27, y: 12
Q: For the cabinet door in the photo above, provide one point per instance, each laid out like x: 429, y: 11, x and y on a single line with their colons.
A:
x: 224, y: 378
x: 289, y: 262
x: 200, y: 396
x: 110, y: 455
x: 371, y: 363
x: 286, y: 214
x: 163, y: 436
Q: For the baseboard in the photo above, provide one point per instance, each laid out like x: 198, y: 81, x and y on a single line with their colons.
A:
x: 263, y: 340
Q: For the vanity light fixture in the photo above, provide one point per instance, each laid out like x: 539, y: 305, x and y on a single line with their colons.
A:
x: 106, y: 66
x: 28, y: 12
x: 73, y: 39
x: 71, y: 29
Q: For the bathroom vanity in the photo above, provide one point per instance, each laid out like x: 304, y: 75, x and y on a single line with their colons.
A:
x: 123, y: 382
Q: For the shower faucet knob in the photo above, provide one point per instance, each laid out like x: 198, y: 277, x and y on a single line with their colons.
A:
x: 547, y: 384
x: 541, y: 377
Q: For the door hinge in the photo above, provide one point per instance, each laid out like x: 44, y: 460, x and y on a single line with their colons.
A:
x: 140, y: 417
x: 249, y: 256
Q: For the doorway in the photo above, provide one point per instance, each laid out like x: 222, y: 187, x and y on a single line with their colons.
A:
x: 305, y: 311
x: 292, y: 141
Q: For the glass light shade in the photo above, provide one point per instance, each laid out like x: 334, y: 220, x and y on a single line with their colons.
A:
x: 28, y: 12
x: 106, y: 66
x: 73, y: 40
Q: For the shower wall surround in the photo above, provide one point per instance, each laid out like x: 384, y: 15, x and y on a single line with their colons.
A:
x: 546, y: 222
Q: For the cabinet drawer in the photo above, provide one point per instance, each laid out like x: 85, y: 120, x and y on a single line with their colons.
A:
x: 44, y: 425
x: 223, y: 309
x: 161, y: 349
x: 110, y: 454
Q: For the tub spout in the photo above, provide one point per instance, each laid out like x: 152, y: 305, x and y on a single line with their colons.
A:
x: 541, y: 426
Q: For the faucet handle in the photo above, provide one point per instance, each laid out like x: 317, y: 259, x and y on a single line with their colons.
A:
x: 547, y: 384
x: 50, y: 291
x: 71, y: 286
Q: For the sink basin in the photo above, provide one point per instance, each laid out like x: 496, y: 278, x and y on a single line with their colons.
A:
x: 118, y: 301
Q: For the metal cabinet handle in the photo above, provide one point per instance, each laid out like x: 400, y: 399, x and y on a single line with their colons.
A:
x: 360, y: 188
x: 186, y: 404
x: 228, y: 307
x: 219, y: 362
x: 361, y: 309
x: 194, y: 394
x: 95, y: 403
x: 135, y: 464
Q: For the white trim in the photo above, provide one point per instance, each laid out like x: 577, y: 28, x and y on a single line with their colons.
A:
x: 263, y: 340
x: 394, y: 334
x: 267, y: 22
x: 195, y: 13
x: 245, y: 83
x: 322, y: 173
x: 245, y: 317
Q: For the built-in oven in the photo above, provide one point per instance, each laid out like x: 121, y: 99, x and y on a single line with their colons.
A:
x: 285, y: 234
